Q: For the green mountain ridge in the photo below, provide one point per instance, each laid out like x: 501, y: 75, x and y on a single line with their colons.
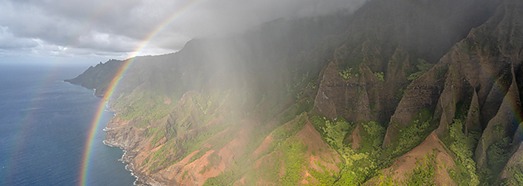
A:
x: 398, y: 92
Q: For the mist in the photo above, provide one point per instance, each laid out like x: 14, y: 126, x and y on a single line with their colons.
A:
x: 255, y: 93
x: 116, y: 29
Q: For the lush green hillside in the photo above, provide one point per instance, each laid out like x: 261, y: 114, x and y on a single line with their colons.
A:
x: 400, y: 92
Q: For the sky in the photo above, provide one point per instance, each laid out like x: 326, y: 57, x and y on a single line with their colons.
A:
x: 80, y: 31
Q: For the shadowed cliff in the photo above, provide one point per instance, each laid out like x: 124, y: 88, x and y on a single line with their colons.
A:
x: 387, y: 94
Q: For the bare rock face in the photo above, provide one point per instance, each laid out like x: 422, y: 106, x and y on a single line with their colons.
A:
x: 330, y: 93
x: 122, y: 134
x: 431, y: 151
x: 355, y: 98
x: 393, y: 46
x: 98, y: 77
x: 479, y: 82
x: 473, y: 119
x: 475, y: 76
x: 422, y: 93
x: 500, y: 129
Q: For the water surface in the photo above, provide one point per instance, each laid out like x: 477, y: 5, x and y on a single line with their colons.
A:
x: 44, y: 123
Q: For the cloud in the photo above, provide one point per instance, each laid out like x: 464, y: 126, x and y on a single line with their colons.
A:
x: 119, y: 27
x: 9, y: 41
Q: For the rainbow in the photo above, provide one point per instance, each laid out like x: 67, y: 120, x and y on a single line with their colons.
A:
x: 95, y: 124
x: 86, y: 158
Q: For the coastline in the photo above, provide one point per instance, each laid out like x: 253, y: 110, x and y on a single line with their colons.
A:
x: 140, y: 180
x: 121, y: 159
x: 114, y: 140
x: 128, y: 165
x: 125, y: 159
x: 105, y: 142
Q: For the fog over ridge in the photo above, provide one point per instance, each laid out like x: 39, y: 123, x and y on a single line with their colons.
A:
x: 116, y: 28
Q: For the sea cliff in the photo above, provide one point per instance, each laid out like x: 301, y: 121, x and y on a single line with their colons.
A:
x: 377, y: 96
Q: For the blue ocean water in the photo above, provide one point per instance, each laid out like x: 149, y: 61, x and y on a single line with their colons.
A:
x: 44, y: 123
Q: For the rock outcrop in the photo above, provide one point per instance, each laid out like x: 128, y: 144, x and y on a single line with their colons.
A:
x: 394, y: 87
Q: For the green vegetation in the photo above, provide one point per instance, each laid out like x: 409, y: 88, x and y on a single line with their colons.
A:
x: 296, y: 109
x: 333, y: 131
x: 363, y: 163
x: 372, y: 137
x: 225, y: 178
x: 289, y: 129
x: 422, y: 66
x: 324, y: 177
x: 214, y: 160
x: 163, y: 157
x: 198, y: 155
x: 157, y: 134
x: 498, y: 154
x: 515, y: 176
x: 412, y: 135
x: 186, y: 131
x: 384, y: 180
x: 518, y: 176
x: 424, y: 172
x: 290, y: 153
x: 463, y: 147
x: 146, y: 106
x: 357, y: 165
x: 380, y: 76
x: 269, y: 65
x: 293, y: 158
x: 348, y: 73
x: 193, y: 142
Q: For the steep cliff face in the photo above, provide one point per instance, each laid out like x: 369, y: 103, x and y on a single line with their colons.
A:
x: 427, y: 159
x: 400, y: 92
x: 222, y: 106
x: 393, y: 38
x: 98, y: 77
x: 477, y: 82
x: 201, y: 140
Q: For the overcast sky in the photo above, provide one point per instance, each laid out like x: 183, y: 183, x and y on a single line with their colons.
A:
x: 69, y: 30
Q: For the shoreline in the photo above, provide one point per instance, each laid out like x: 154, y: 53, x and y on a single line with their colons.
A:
x: 140, y: 180
x: 128, y: 166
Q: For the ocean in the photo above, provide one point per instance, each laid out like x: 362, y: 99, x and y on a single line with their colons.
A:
x: 44, y: 123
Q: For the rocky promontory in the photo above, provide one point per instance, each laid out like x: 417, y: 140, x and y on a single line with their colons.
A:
x: 398, y: 92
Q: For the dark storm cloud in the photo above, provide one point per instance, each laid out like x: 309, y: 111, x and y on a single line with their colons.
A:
x: 119, y: 26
